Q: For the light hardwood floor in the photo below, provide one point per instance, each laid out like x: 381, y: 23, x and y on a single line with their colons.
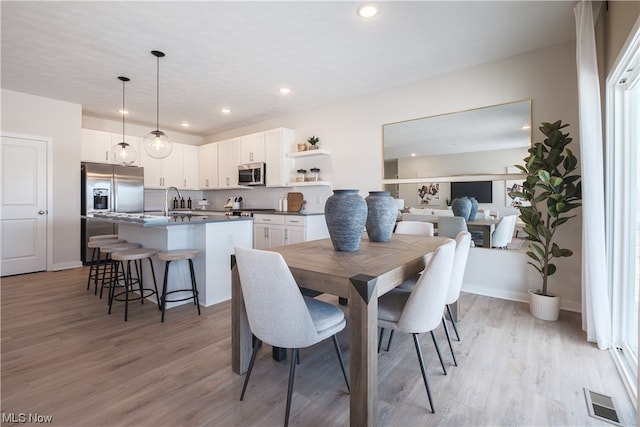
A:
x: 63, y: 356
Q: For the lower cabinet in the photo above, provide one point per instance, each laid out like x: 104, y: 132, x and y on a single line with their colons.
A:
x: 271, y: 230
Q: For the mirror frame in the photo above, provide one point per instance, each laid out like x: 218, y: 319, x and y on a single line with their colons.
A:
x: 457, y: 178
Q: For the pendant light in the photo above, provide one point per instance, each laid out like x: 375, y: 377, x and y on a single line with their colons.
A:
x: 123, y: 153
x: 156, y: 143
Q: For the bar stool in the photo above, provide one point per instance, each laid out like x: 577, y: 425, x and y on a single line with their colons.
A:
x: 95, y: 242
x: 178, y: 255
x: 108, y: 250
x: 135, y: 255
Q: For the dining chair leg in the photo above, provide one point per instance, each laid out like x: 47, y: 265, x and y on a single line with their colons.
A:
x: 422, y: 369
x: 380, y: 339
x: 455, y: 327
x: 292, y: 372
x: 336, y: 344
x: 435, y: 343
x: 446, y: 332
x: 390, y: 338
x: 256, y: 347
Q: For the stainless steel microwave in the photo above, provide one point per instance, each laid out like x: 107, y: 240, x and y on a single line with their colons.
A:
x: 252, y: 174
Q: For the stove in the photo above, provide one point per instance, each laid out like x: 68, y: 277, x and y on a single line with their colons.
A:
x: 247, y: 212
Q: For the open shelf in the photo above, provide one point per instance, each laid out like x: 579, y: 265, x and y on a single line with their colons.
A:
x: 308, y: 153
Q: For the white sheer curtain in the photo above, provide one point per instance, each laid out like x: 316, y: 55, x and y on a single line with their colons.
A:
x: 596, y: 309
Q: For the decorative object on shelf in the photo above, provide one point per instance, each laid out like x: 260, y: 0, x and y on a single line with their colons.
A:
x: 302, y: 146
x: 156, y: 143
x: 123, y: 153
x: 346, y: 214
x: 553, y: 189
x: 474, y: 208
x: 461, y: 206
x: 313, y: 141
x: 382, y: 212
x: 313, y: 175
x: 300, y: 175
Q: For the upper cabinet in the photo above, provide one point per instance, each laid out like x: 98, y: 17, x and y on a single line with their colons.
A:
x: 96, y: 146
x: 280, y: 168
x: 208, y: 166
x: 252, y: 148
x: 228, y: 161
x: 178, y: 170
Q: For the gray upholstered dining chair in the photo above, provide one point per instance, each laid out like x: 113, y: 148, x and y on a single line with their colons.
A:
x: 503, y: 233
x: 463, y: 243
x: 420, y: 310
x: 450, y: 226
x: 422, y: 228
x: 280, y: 315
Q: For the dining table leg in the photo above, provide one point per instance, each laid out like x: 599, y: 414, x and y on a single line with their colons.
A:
x: 363, y: 357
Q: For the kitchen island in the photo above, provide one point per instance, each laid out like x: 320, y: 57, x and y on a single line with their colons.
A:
x: 214, y: 235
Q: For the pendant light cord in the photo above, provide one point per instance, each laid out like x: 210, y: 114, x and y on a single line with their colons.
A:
x: 123, y: 110
x: 157, y: 93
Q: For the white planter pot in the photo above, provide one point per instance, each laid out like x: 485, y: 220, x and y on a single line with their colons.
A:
x: 543, y: 307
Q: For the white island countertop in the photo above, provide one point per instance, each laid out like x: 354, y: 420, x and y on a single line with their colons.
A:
x: 146, y: 220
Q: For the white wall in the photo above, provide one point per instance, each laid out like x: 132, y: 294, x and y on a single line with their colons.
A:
x: 132, y: 129
x: 60, y: 121
x: 352, y: 130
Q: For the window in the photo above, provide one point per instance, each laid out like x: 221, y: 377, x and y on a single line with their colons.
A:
x: 623, y: 208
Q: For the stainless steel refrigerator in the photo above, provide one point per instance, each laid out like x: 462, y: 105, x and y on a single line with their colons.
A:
x: 107, y: 188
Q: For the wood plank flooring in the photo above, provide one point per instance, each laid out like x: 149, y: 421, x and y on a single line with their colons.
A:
x: 63, y: 356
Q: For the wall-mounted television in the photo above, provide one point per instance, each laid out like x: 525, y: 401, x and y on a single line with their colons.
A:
x: 481, y: 190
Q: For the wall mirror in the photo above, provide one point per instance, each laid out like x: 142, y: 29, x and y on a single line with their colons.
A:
x: 482, y: 141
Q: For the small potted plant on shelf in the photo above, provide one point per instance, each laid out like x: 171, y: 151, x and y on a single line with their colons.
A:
x: 313, y: 141
x: 551, y: 190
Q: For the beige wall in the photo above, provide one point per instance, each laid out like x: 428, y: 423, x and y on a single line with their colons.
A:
x: 43, y: 117
x: 352, y: 131
x: 615, y: 22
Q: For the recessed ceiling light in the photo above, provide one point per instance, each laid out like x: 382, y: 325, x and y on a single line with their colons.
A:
x: 184, y: 124
x: 526, y: 127
x: 413, y: 154
x: 225, y: 111
x: 284, y: 90
x: 367, y: 11
x: 123, y: 111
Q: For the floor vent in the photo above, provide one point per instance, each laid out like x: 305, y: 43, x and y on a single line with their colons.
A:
x: 601, y: 407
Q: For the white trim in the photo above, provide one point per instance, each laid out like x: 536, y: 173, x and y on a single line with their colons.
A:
x: 49, y: 143
x: 66, y: 266
x: 487, y: 291
x: 618, y: 217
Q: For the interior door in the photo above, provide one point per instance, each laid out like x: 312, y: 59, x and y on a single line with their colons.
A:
x: 23, y: 206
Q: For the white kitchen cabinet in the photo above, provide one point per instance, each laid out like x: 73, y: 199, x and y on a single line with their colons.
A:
x: 208, y: 166
x: 271, y: 230
x: 252, y: 148
x: 170, y: 171
x: 268, y: 231
x: 190, y: 167
x: 95, y: 146
x: 280, y: 169
x: 228, y: 161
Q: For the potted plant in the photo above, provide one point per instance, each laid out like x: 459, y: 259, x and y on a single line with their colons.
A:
x: 313, y: 141
x: 550, y: 191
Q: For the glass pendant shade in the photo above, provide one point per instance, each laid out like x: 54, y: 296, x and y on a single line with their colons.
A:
x: 123, y: 154
x: 157, y: 144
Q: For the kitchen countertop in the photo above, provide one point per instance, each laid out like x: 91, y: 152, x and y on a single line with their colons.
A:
x: 145, y: 220
x: 262, y: 213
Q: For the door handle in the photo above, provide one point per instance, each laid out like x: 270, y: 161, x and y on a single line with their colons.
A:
x: 42, y: 212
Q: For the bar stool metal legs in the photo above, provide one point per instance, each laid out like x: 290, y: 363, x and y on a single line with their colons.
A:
x: 178, y: 255
x: 135, y: 255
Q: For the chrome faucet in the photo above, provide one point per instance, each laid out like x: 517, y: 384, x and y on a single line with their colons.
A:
x: 166, y: 199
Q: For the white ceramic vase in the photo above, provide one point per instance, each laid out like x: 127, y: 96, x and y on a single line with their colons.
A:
x: 543, y: 307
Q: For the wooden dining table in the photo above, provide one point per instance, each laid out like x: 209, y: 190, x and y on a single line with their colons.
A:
x: 361, y: 277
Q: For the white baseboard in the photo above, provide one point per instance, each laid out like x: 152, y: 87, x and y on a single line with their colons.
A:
x: 515, y: 296
x: 66, y: 266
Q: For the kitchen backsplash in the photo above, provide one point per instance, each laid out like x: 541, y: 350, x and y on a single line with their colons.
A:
x: 251, y: 198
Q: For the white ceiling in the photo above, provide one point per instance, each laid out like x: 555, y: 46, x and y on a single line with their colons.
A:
x: 237, y: 54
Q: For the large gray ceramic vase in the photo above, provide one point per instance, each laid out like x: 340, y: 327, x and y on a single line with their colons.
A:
x: 461, y: 206
x: 381, y: 216
x: 474, y: 208
x: 345, y: 213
